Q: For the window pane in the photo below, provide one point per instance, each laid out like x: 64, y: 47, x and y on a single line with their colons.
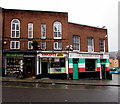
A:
x: 17, y: 26
x: 17, y: 45
x: 15, y: 21
x: 13, y: 45
x: 55, y: 34
x: 13, y: 26
x: 13, y: 33
x: 59, y: 34
x: 17, y: 34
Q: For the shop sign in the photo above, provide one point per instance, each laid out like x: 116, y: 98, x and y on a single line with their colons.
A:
x: 104, y: 57
x: 72, y: 55
x: 60, y: 55
x: 14, y: 55
x: 47, y: 55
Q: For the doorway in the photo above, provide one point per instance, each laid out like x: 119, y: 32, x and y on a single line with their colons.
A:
x: 29, y: 66
x: 75, y: 68
x: 44, y: 67
x: 103, y: 71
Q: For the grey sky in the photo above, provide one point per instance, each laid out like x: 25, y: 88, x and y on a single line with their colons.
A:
x: 88, y: 12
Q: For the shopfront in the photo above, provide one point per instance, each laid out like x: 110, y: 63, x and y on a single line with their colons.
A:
x: 52, y: 65
x: 89, y: 66
x: 15, y: 62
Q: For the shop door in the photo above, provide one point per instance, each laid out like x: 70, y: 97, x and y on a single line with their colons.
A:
x: 44, y: 69
x: 75, y: 69
x: 103, y: 71
x: 29, y: 67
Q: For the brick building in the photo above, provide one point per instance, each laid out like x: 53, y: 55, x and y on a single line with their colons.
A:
x: 64, y: 50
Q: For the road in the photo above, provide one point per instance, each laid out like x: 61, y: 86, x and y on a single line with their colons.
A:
x: 78, y: 94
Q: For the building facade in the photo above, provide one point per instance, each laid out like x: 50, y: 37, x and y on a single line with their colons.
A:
x: 45, y: 44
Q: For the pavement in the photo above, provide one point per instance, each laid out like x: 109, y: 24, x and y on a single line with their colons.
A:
x: 113, y: 82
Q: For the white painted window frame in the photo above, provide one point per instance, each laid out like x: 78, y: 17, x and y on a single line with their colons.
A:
x: 30, y: 25
x: 58, y: 25
x: 78, y: 37
x: 91, y: 46
x: 41, y: 44
x: 29, y: 45
x: 43, y: 31
x: 12, y: 22
x: 57, y: 48
x: 15, y: 44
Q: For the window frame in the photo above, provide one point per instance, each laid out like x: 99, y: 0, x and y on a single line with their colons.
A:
x: 29, y: 44
x: 30, y: 25
x: 90, y: 46
x: 15, y: 30
x: 103, y: 45
x: 42, y: 31
x: 14, y: 44
x: 58, y: 48
x: 76, y: 43
x: 59, y: 30
x: 41, y: 43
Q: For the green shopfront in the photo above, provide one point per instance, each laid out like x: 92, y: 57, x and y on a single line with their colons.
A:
x: 13, y: 62
x: 88, y: 66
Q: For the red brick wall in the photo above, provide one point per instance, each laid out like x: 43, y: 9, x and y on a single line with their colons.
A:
x: 86, y: 31
x: 37, y: 18
x: 48, y: 18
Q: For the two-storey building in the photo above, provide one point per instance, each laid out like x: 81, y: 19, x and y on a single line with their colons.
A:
x: 63, y: 49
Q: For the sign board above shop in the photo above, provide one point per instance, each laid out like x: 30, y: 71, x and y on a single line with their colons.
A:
x: 15, y: 55
x: 88, y: 56
x: 51, y: 55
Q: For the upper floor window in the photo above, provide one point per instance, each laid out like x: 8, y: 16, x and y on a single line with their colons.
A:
x: 30, y: 45
x: 14, y: 45
x: 15, y: 28
x: 43, y: 31
x: 102, y: 45
x: 57, y: 45
x: 43, y: 45
x: 57, y: 30
x: 90, y: 45
x: 76, y: 43
x: 30, y: 30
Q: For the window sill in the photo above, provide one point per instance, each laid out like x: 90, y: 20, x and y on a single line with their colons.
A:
x: 57, y: 37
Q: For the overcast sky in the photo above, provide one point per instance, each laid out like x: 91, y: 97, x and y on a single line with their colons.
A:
x: 88, y: 12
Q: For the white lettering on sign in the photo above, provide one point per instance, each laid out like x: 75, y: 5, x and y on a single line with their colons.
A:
x: 73, y: 55
x: 47, y: 55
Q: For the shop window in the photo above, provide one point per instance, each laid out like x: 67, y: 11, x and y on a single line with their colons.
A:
x: 102, y: 45
x: 15, y: 28
x: 43, y: 31
x: 30, y: 30
x: 13, y: 65
x: 14, y: 45
x: 90, y: 64
x: 76, y: 43
x: 57, y: 62
x: 57, y: 30
x: 57, y: 45
x: 90, y: 45
x: 30, y: 45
